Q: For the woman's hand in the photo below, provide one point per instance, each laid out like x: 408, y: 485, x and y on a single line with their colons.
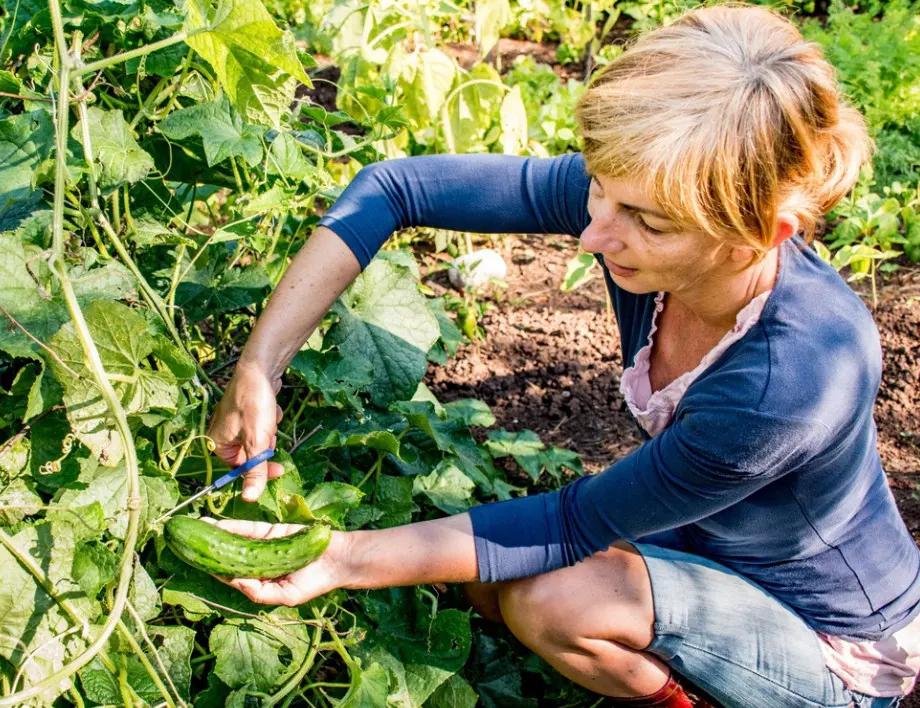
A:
x: 436, y: 551
x: 245, y: 423
x: 323, y: 575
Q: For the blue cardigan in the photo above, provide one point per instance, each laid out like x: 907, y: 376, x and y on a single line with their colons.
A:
x: 770, y: 464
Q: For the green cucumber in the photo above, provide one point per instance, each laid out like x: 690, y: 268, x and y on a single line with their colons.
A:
x: 214, y: 550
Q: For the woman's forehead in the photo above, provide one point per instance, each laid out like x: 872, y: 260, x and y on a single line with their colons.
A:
x: 631, y: 194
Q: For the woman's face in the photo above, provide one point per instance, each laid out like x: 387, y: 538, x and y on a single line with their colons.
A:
x: 643, y: 250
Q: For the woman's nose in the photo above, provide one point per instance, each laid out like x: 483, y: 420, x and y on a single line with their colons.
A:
x: 596, y: 240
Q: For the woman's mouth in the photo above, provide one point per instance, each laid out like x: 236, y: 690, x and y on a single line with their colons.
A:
x: 620, y: 270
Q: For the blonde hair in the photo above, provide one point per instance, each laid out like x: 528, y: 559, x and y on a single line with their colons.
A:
x: 727, y: 116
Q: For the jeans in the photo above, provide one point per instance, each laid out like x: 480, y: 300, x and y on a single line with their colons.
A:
x: 737, y: 642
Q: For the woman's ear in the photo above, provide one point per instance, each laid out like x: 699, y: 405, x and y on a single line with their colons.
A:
x: 787, y: 226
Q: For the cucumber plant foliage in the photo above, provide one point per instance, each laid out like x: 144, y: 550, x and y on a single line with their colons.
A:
x: 157, y: 174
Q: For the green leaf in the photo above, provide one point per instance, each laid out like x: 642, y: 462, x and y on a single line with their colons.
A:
x: 286, y: 159
x: 25, y: 141
x: 10, y: 83
x: 221, y: 129
x: 369, y: 688
x: 256, y: 63
x: 246, y: 656
x: 31, y: 295
x: 555, y: 458
x: 579, y: 271
x: 143, y: 594
x: 491, y: 18
x: 385, y: 321
x: 420, y: 651
x: 328, y: 502
x: 525, y: 447
x: 514, y: 122
x: 336, y: 377
x: 31, y: 621
x: 362, y: 436
x: 470, y: 411
x: 99, y: 684
x: 193, y: 590
x: 207, y: 292
x: 174, y: 647
x: 447, y: 488
x: 94, y: 565
x: 18, y: 500
x: 249, y: 652
x: 453, y: 693
x: 109, y: 487
x: 393, y: 496
x: 114, y: 148
x: 124, y: 342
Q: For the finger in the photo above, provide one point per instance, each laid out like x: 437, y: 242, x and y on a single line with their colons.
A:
x: 279, y: 414
x: 267, y: 593
x: 254, y: 480
x: 241, y: 527
x: 275, y: 470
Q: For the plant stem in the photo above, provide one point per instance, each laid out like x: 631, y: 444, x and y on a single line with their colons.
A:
x: 139, y: 52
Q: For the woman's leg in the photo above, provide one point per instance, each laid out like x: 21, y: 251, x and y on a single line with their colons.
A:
x: 598, y: 645
x: 615, y: 622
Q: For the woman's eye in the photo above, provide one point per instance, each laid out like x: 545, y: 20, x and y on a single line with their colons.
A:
x: 648, y: 228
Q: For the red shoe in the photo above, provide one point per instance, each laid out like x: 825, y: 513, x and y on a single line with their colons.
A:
x: 671, y: 695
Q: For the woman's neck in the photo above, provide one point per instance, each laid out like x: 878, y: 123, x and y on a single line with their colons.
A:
x: 717, y: 301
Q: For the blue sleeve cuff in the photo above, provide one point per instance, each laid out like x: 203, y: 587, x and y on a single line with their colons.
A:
x: 518, y: 538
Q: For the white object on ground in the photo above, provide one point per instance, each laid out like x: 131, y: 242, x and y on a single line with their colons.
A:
x: 477, y: 268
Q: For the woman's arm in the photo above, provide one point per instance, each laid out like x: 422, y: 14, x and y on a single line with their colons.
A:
x: 246, y: 418
x: 439, y: 551
x: 483, y: 193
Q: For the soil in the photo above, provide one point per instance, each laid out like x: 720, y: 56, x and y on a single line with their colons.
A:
x: 551, y: 362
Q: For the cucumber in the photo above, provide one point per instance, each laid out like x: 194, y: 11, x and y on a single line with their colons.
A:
x: 214, y: 550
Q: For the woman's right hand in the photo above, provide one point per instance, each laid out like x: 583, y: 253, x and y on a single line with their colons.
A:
x: 245, y: 423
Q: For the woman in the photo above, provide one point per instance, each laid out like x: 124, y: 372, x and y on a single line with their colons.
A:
x: 751, y: 544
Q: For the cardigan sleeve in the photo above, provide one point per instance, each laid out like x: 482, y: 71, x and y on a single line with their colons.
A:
x: 705, y: 461
x: 479, y: 193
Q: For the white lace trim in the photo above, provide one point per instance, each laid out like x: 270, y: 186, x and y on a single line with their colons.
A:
x: 655, y: 410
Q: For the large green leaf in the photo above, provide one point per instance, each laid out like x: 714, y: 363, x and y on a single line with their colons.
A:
x: 491, y: 18
x: 259, y: 654
x: 109, y: 487
x: 369, y: 688
x: 447, y: 488
x: 419, y: 651
x: 256, y: 62
x: 209, y: 291
x: 124, y: 342
x: 114, y: 148
x: 385, y: 321
x: 221, y: 129
x: 337, y: 378
x: 31, y: 621
x: 31, y: 294
x: 453, y: 693
x: 25, y: 141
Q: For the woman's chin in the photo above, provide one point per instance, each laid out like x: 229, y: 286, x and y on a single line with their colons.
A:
x: 633, y: 283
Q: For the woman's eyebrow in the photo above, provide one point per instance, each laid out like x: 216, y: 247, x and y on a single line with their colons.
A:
x: 650, y: 212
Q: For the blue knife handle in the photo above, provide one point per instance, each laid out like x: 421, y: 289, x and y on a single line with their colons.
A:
x: 243, y: 468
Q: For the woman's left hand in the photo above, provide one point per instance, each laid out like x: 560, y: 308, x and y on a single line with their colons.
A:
x: 319, y: 577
